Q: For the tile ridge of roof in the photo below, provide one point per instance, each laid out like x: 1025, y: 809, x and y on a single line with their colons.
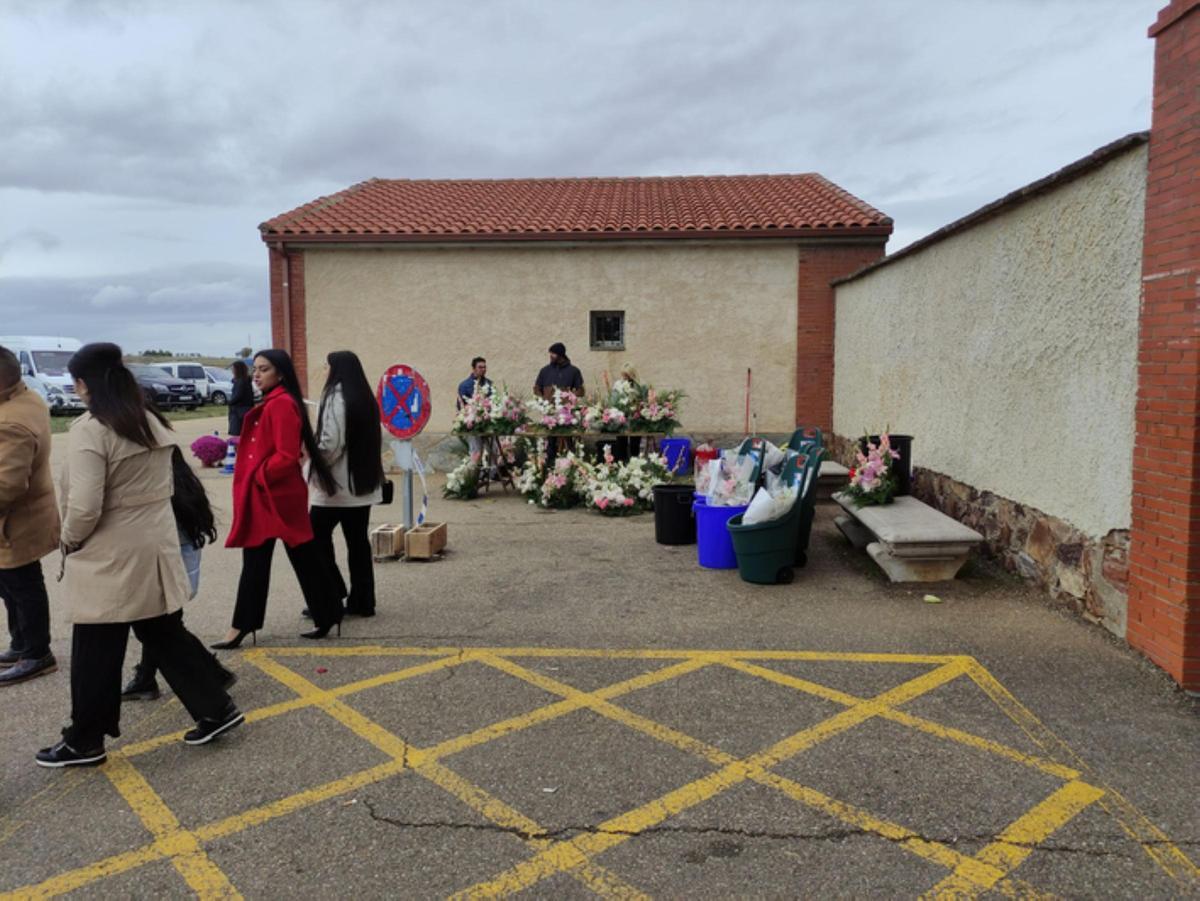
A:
x: 862, y: 205
x: 321, y: 203
x: 598, y: 178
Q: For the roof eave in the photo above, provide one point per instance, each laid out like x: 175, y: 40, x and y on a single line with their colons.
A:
x: 829, y: 232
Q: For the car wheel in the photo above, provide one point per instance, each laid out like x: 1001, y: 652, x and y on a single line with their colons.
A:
x: 218, y: 397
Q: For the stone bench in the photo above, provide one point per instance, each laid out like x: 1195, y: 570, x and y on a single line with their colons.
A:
x: 911, y: 541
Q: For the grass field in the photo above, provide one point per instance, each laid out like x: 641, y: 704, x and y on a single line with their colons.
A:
x: 62, y: 423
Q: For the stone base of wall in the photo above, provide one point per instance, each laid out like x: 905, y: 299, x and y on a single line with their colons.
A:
x: 1086, y: 573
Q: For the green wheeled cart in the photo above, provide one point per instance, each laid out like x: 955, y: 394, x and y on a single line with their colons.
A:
x: 766, y: 551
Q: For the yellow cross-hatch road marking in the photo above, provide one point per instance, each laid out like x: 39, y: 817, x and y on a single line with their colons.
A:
x: 991, y: 869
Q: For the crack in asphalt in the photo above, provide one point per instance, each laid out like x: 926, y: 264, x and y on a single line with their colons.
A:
x: 567, y: 832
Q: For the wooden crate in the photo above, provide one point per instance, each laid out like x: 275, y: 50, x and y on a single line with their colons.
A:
x: 387, y: 541
x: 425, y: 542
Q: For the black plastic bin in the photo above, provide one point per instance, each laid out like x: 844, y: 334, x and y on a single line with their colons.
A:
x: 673, y: 519
x: 901, y: 468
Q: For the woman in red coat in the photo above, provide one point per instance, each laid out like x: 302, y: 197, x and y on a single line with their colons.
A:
x: 270, y: 500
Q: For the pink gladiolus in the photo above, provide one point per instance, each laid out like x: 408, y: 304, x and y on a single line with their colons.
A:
x: 602, y: 503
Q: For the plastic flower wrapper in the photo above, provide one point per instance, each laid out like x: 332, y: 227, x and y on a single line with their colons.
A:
x: 731, y: 479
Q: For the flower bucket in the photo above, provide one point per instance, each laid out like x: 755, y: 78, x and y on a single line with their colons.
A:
x: 674, y: 522
x: 714, y: 546
x: 678, y: 453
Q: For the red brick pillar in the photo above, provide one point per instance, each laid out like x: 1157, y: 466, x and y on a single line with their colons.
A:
x: 1164, y: 571
x: 288, y: 327
x: 815, y: 317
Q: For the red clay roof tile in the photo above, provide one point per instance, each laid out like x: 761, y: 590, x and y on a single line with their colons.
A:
x: 549, y: 208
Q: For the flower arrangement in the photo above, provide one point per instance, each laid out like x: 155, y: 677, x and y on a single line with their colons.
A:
x: 462, y: 482
x: 209, y: 449
x: 561, y: 414
x: 490, y: 411
x: 871, y: 478
x: 657, y: 413
x: 600, y: 418
x: 618, y: 489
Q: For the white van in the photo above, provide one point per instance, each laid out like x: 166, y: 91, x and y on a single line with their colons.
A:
x: 189, y: 372
x: 45, y: 357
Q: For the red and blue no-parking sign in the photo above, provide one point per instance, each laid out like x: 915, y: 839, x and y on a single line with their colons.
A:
x: 404, y: 404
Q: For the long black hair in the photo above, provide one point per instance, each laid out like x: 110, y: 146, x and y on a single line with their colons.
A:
x: 240, y: 370
x: 193, y: 515
x: 364, y: 438
x: 289, y: 383
x: 114, y: 396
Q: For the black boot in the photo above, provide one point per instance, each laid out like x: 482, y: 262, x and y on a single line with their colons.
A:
x: 142, y: 687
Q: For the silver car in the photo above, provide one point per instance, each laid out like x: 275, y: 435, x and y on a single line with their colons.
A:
x: 220, y: 385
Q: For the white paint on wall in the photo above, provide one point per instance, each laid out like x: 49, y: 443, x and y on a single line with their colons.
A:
x: 695, y: 317
x: 1009, y: 350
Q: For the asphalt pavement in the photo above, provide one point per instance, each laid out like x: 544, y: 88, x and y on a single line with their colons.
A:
x: 561, y: 707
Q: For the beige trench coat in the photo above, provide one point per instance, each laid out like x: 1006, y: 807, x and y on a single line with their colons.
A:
x: 123, y: 561
x: 28, y: 512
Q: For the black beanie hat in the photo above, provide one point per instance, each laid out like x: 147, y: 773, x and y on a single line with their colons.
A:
x: 558, y: 348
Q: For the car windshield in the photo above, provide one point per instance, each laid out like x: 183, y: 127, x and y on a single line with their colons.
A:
x: 149, y: 372
x: 52, y: 362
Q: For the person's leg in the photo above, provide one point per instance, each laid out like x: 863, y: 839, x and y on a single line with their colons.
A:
x: 186, y: 665
x: 312, y: 572
x: 356, y: 524
x: 324, y: 521
x: 28, y: 607
x: 255, y: 582
x: 97, y: 653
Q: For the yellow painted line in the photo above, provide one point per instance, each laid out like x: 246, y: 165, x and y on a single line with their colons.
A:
x: 274, y: 710
x: 1018, y: 841
x: 616, y: 830
x: 186, y: 853
x: 424, y: 763
x: 603, y: 653
x: 83, y: 876
x: 601, y: 881
x: 1043, y: 764
x: 1152, y: 840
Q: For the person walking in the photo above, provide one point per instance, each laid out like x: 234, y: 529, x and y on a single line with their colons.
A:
x: 121, y: 564
x: 196, y: 526
x: 351, y: 442
x: 29, y: 525
x: 270, y: 501
x: 241, y: 398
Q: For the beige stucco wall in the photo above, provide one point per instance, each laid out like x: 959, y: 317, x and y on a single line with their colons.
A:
x: 695, y: 318
x: 1009, y: 350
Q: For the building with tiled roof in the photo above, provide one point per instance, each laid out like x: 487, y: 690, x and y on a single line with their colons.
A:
x: 692, y: 279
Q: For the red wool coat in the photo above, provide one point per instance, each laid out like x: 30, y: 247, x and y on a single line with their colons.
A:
x: 270, y: 495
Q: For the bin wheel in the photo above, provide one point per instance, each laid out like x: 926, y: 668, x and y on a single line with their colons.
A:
x: 802, y: 559
x: 785, y: 576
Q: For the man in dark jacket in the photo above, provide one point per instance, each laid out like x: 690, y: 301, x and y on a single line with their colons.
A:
x: 476, y: 380
x: 558, y: 373
x: 29, y: 525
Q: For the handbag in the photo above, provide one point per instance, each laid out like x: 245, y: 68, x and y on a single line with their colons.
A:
x: 388, y: 490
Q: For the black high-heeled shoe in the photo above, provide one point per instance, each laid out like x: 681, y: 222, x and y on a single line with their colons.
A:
x: 323, y: 631
x: 236, y: 641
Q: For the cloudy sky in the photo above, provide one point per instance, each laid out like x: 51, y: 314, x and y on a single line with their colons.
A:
x: 141, y: 143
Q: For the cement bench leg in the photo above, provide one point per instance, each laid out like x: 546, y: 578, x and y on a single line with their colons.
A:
x: 915, y: 569
x: 858, y: 534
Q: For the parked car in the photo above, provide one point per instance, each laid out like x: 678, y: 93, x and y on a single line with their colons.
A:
x: 56, y: 399
x: 164, y: 390
x: 220, y: 385
x: 189, y: 372
x: 44, y: 357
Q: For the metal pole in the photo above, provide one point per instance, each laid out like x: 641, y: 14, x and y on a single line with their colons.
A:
x: 402, y: 454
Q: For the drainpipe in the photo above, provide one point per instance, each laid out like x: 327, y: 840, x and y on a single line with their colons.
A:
x: 287, y: 300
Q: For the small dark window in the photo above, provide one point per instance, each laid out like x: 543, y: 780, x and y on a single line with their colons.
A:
x: 608, y: 330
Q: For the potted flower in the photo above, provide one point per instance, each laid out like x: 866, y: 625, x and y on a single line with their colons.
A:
x: 872, y: 481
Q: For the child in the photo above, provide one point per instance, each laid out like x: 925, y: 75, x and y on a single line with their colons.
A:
x: 196, y: 527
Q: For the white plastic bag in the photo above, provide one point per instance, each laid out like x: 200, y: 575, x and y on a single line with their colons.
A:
x: 767, y: 507
x: 731, y: 480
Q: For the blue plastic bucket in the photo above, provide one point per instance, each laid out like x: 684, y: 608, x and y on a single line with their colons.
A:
x: 714, y: 545
x: 678, y: 452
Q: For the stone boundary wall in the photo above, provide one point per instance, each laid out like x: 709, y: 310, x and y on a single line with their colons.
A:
x: 1089, y: 575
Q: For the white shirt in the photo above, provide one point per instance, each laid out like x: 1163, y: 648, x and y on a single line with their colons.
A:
x: 332, y: 442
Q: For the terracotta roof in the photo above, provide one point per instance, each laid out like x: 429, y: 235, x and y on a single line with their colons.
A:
x: 572, y: 209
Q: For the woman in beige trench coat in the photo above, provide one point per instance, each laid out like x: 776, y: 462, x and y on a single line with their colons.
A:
x: 122, y: 566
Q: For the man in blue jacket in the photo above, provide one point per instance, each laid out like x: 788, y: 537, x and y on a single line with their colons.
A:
x: 477, y: 380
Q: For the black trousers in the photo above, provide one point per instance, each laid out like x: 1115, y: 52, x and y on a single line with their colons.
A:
x: 148, y: 666
x: 355, y: 523
x: 24, y: 591
x: 312, y: 572
x: 97, y: 655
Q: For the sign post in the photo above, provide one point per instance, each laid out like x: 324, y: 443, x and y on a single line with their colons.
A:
x: 404, y: 408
